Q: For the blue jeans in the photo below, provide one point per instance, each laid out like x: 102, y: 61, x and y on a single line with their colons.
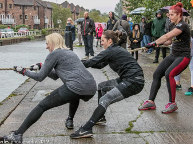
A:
x: 146, y: 40
x: 88, y: 43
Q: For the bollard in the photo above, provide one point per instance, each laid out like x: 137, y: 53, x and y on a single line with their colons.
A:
x: 68, y: 37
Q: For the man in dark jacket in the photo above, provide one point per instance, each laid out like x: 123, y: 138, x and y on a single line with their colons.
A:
x: 157, y: 30
x: 111, y: 22
x: 87, y: 29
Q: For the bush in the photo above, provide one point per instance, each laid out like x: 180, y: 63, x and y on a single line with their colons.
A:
x: 19, y: 26
x: 31, y: 37
x: 44, y: 32
x: 3, y: 26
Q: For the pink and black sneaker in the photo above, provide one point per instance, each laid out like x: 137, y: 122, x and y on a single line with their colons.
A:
x: 147, y: 105
x: 170, y: 107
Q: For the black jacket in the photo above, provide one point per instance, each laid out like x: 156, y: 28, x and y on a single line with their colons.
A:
x: 120, y: 61
x: 135, y: 45
x: 87, y: 26
x: 111, y: 23
x: 147, y: 27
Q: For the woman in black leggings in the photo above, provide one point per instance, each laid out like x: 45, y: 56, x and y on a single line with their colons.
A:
x: 78, y: 84
x: 130, y: 81
x: 173, y: 64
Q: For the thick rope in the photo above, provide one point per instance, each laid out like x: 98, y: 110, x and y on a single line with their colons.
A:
x: 144, y: 48
x: 10, y: 68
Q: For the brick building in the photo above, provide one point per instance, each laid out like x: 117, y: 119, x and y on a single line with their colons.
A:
x: 75, y: 10
x: 34, y: 13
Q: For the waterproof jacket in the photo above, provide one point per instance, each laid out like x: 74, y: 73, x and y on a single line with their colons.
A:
x: 88, y: 26
x: 158, y: 27
x: 124, y: 24
x: 99, y: 32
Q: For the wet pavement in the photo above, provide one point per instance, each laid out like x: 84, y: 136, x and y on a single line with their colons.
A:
x: 125, y: 124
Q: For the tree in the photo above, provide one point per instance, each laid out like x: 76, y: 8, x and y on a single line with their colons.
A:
x: 119, y: 9
x: 60, y: 15
x: 153, y: 5
x: 97, y: 16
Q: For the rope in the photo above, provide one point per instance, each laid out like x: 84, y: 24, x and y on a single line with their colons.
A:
x: 9, y: 68
x: 144, y: 48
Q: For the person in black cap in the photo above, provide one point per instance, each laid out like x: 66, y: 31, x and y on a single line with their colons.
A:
x: 123, y: 23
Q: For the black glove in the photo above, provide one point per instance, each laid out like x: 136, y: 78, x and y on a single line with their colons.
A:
x: 20, y: 70
x: 36, y: 66
x: 152, y: 44
x: 83, y: 61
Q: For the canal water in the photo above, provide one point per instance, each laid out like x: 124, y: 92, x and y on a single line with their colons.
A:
x: 22, y: 54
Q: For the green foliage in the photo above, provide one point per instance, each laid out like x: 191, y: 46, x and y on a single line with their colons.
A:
x: 152, y: 6
x: 97, y: 16
x: 119, y: 9
x: 3, y: 26
x: 44, y: 32
x: 60, y: 13
x: 19, y: 26
x: 32, y: 37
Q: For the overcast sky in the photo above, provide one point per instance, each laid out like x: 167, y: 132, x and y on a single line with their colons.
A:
x: 102, y: 5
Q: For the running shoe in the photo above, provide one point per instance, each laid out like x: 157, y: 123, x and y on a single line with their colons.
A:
x: 169, y: 108
x: 190, y: 89
x: 81, y: 133
x: 101, y: 121
x: 178, y: 87
x: 147, y: 105
x: 12, y: 138
x: 69, y: 124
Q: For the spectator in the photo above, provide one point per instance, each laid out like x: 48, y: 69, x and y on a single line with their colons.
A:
x: 147, y: 35
x: 87, y: 29
x: 99, y: 32
x: 123, y: 23
x: 79, y: 33
x: 130, y: 23
x: 135, y: 38
x: 111, y: 22
x: 157, y: 30
x: 73, y: 28
x: 142, y: 29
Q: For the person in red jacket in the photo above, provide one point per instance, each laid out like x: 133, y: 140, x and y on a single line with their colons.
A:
x: 99, y: 32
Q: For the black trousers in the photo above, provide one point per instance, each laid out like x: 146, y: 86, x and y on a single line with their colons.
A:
x: 58, y: 97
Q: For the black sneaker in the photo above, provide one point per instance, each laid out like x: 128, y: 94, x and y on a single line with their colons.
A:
x: 178, y: 87
x: 12, y: 138
x: 102, y: 121
x: 81, y: 133
x: 69, y: 124
x: 190, y: 89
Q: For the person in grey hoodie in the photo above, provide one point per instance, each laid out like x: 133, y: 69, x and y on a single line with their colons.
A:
x: 78, y: 83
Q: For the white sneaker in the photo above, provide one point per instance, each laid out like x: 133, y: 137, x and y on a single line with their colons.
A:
x: 85, y: 58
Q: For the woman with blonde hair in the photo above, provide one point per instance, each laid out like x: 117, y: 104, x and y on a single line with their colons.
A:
x: 73, y: 28
x: 135, y: 38
x: 78, y: 84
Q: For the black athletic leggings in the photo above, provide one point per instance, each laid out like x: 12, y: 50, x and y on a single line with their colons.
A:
x: 169, y: 67
x: 58, y: 97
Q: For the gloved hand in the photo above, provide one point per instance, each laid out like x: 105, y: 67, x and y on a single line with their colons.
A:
x: 19, y: 69
x: 36, y: 66
x: 152, y: 44
x: 83, y: 61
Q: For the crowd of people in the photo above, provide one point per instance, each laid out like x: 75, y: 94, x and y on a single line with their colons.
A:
x: 64, y: 64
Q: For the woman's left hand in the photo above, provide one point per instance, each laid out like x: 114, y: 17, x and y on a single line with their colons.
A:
x: 19, y: 70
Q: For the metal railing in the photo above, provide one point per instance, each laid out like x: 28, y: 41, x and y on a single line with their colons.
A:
x: 20, y: 34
